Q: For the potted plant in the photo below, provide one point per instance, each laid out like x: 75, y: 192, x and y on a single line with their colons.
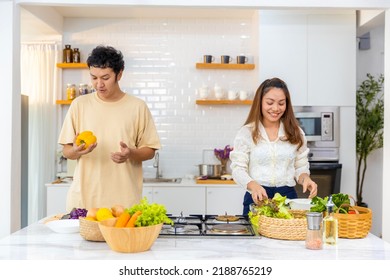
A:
x: 369, y: 126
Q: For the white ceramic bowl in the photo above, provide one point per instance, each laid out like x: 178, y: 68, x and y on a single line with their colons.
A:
x: 64, y: 226
x: 299, y: 203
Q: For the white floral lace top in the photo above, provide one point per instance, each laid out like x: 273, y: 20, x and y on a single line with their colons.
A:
x: 270, y: 164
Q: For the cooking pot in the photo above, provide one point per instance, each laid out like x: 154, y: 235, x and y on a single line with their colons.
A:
x: 210, y: 170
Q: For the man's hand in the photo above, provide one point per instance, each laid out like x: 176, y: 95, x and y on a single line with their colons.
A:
x: 123, y: 155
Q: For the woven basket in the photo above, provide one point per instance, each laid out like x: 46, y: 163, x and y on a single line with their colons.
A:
x: 354, y: 225
x: 90, y: 231
x: 287, y: 229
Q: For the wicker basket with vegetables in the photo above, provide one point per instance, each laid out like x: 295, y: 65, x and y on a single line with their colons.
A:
x: 353, y: 221
x: 273, y: 219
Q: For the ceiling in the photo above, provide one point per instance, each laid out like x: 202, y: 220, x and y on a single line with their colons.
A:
x: 32, y: 23
x: 151, y: 12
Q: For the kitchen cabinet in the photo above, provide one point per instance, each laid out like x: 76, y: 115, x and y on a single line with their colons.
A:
x: 221, y: 200
x: 284, y: 55
x: 313, y: 53
x: 56, y: 198
x: 331, y: 63
x: 189, y: 200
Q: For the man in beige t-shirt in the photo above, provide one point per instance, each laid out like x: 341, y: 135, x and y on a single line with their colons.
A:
x: 110, y: 171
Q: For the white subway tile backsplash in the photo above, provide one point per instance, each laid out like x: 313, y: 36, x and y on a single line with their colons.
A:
x: 160, y: 57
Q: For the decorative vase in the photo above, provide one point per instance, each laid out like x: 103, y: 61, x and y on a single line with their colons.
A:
x: 224, y: 165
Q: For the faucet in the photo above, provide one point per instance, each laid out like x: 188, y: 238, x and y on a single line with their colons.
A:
x: 156, y: 164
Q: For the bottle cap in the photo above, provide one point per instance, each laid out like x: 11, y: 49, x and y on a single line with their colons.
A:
x: 314, y: 220
x: 330, y: 205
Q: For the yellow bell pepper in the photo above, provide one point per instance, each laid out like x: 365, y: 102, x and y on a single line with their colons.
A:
x: 87, y: 138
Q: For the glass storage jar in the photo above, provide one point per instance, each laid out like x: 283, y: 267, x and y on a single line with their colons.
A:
x: 71, y: 91
x: 76, y: 55
x: 83, y: 89
x: 67, y: 54
x: 314, y: 232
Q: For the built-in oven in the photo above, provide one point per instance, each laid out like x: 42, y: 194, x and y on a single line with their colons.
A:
x: 321, y: 127
x: 327, y: 175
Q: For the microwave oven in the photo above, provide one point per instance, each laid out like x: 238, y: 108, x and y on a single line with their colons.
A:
x: 320, y: 124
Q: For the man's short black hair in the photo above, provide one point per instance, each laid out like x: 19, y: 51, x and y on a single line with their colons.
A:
x: 106, y: 57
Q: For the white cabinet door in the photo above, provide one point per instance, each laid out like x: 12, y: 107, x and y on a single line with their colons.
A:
x: 331, y: 60
x: 148, y: 193
x: 283, y: 51
x: 177, y: 200
x: 224, y: 199
x: 56, y: 198
x: 315, y: 54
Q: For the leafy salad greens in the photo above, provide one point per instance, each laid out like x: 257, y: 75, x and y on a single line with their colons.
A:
x: 274, y: 208
x: 152, y: 214
x: 341, y: 203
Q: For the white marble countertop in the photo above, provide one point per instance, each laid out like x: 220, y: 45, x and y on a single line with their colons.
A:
x: 38, y: 242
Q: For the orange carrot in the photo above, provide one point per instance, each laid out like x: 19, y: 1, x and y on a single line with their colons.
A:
x: 133, y: 219
x: 122, y: 219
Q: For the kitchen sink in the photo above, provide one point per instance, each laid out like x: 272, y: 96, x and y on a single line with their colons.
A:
x: 162, y: 180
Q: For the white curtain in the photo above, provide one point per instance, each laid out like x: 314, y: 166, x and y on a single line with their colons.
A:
x: 39, y: 80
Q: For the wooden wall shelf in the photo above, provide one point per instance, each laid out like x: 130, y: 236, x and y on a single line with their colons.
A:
x: 64, y: 102
x: 72, y: 65
x: 225, y: 66
x: 223, y: 102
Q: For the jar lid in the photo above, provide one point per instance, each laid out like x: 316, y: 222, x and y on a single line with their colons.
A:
x: 76, y: 49
x: 67, y: 46
x: 314, y: 220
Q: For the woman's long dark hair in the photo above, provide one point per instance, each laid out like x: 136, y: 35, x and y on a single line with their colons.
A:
x: 255, y: 116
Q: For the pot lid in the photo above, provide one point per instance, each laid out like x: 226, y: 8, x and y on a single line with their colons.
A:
x: 227, y: 218
x: 229, y: 229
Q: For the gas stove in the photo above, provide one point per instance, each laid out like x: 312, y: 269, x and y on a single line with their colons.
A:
x: 208, y: 226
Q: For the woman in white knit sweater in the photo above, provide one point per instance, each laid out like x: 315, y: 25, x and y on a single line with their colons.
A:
x: 270, y: 151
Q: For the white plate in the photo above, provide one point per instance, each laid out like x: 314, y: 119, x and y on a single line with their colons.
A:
x: 64, y: 226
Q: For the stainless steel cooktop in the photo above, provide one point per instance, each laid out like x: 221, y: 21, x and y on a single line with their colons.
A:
x: 209, y: 226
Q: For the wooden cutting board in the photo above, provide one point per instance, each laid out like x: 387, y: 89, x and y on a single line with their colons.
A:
x: 215, y: 181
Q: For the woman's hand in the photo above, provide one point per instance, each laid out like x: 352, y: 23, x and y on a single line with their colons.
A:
x: 258, y: 192
x: 123, y: 155
x: 309, y: 184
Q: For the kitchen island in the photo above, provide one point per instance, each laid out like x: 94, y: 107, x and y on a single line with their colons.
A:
x: 38, y: 242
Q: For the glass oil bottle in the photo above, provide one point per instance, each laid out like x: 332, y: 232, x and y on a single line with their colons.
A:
x: 330, y: 225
